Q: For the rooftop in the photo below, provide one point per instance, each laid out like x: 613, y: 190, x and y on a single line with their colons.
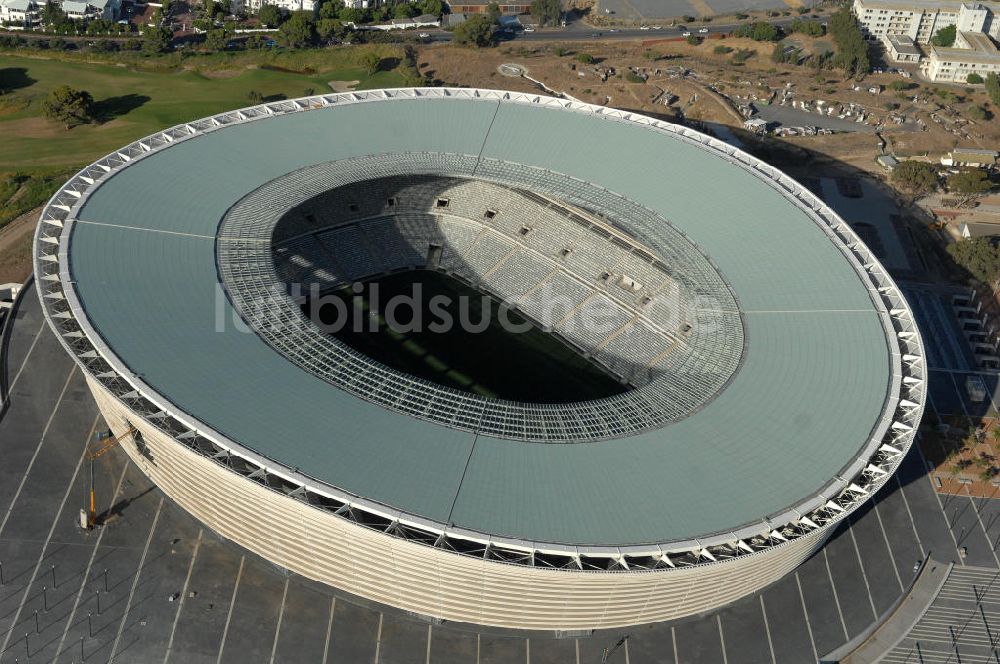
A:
x: 952, y: 6
x: 903, y: 44
x: 808, y: 402
x: 981, y: 49
x: 975, y: 152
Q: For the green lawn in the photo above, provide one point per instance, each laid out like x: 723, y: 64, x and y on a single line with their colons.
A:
x: 137, y: 102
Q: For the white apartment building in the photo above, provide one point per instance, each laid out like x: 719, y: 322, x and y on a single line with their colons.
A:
x: 253, y: 6
x: 19, y: 12
x: 973, y: 53
x: 921, y: 19
x: 91, y: 9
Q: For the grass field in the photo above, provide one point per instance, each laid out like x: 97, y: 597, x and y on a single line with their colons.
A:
x: 134, y: 102
x: 529, y: 366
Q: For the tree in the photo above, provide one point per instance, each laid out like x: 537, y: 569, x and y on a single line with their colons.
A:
x: 255, y: 97
x: 810, y: 28
x: 944, y: 37
x: 371, y: 61
x: 270, y: 16
x: 330, y: 9
x: 404, y: 10
x: 475, y: 31
x: 352, y: 15
x: 546, y: 11
x: 298, y: 31
x: 328, y: 29
x: 432, y: 7
x: 69, y: 106
x: 493, y: 11
x: 852, y: 49
x: 758, y: 31
x: 978, y: 256
x: 694, y: 40
x: 974, y: 79
x: 52, y: 14
x: 993, y: 87
x: 156, y: 39
x: 215, y: 40
x: 969, y: 185
x: 585, y: 58
x: 916, y: 177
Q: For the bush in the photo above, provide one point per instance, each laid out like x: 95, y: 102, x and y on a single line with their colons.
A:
x: 978, y: 113
x: 917, y: 177
x: 810, y: 28
x: 978, y: 256
x: 993, y: 87
x: 585, y: 58
x: 974, y: 79
x: 476, y: 31
x: 758, y: 31
x: 694, y: 40
x: 721, y: 50
x: 742, y: 55
x: 69, y: 106
x: 632, y: 77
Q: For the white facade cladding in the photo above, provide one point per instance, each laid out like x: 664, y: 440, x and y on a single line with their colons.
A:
x: 973, y: 53
x: 921, y: 19
x: 432, y: 567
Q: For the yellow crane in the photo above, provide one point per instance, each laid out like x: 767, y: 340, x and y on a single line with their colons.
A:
x: 110, y: 441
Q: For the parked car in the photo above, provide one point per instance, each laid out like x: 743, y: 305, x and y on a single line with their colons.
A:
x: 685, y: 34
x: 644, y: 27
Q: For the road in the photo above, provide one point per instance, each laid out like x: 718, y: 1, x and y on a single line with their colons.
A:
x: 579, y: 31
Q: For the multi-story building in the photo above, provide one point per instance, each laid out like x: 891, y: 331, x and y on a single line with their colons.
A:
x: 18, y: 13
x: 92, y: 9
x: 253, y: 6
x: 901, y: 48
x: 921, y: 19
x: 972, y: 53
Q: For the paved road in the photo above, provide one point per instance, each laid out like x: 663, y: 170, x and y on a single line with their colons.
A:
x: 229, y: 606
x: 578, y: 31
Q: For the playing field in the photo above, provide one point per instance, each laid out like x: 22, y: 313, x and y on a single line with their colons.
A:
x: 133, y: 103
x: 518, y: 361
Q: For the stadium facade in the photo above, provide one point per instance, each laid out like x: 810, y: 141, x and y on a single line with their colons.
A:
x: 776, y: 374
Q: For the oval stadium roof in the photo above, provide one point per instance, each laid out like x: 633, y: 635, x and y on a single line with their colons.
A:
x: 816, y: 391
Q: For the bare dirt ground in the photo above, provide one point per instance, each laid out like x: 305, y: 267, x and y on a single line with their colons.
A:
x: 698, y: 84
x: 964, y: 464
x: 15, y: 247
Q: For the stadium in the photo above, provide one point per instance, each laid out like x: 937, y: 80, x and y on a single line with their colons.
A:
x: 717, y: 372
